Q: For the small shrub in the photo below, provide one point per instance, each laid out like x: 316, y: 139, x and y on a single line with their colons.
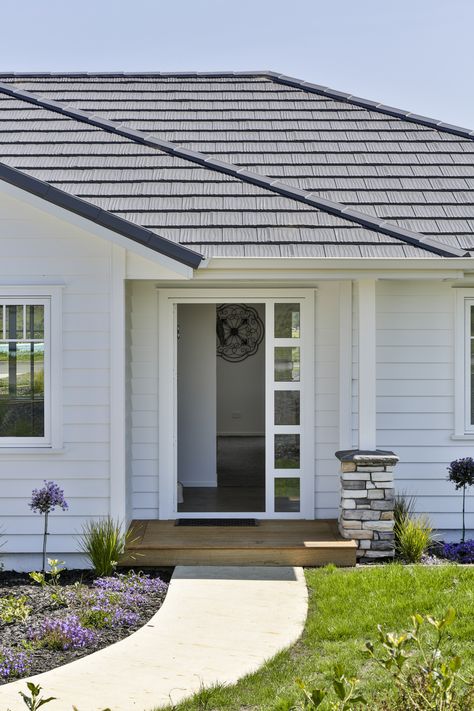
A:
x: 103, y: 543
x: 33, y: 701
x: 413, y: 537
x: 340, y: 694
x: 423, y: 675
x: 44, y: 501
x: 12, y: 663
x: 14, y: 609
x: 461, y: 473
x: 62, y: 634
x: 51, y: 583
x: 459, y: 552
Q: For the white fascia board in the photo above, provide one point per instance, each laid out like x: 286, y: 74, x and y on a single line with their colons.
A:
x: 245, y: 269
x: 181, y: 270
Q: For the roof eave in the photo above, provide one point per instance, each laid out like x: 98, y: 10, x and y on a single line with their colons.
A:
x: 101, y: 217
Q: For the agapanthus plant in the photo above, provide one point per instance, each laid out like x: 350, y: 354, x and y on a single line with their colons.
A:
x: 461, y: 473
x: 44, y: 501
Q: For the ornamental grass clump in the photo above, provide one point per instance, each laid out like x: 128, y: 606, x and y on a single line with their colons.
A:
x: 461, y: 473
x: 413, y: 534
x: 103, y: 544
x: 413, y: 537
x: 44, y: 501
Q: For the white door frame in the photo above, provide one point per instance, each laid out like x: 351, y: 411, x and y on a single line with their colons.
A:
x: 167, y: 393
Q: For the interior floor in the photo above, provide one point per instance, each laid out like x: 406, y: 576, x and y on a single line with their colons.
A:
x: 223, y: 499
x: 240, y: 479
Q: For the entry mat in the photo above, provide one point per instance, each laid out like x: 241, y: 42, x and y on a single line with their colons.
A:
x: 216, y: 522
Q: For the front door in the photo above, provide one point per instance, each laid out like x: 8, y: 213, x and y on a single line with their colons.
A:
x: 287, y: 370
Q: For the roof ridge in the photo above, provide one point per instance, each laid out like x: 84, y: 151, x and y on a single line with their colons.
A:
x: 274, y: 76
x: 273, y: 185
x: 372, y: 105
x: 104, y: 218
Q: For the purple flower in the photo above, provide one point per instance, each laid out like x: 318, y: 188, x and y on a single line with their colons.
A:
x: 13, y: 663
x: 45, y: 500
x: 459, y: 552
x: 67, y: 633
x: 117, y: 599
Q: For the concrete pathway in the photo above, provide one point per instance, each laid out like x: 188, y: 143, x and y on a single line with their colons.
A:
x: 216, y: 625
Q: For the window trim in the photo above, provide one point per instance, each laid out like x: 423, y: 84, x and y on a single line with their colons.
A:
x: 51, y: 297
x: 463, y: 427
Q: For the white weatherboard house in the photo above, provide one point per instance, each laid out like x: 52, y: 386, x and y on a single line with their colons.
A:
x: 221, y: 280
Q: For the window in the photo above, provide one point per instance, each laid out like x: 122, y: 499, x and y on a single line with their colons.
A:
x: 25, y: 398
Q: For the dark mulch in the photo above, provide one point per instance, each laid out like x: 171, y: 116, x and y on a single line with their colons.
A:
x: 16, y: 634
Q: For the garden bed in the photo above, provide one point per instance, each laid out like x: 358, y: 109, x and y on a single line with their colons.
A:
x: 81, y: 615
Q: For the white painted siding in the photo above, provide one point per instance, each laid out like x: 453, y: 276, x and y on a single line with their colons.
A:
x: 142, y: 357
x: 415, y: 394
x: 36, y: 249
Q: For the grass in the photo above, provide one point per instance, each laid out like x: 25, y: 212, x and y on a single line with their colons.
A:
x: 345, y: 607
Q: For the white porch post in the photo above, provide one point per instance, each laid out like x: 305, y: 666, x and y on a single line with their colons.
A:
x: 118, y: 492
x: 367, y: 365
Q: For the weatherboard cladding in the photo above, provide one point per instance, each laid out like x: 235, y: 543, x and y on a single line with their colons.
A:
x: 375, y: 161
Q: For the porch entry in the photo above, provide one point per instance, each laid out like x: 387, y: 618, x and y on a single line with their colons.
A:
x: 241, y: 402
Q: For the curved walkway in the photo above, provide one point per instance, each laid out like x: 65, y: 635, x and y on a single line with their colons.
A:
x: 216, y: 625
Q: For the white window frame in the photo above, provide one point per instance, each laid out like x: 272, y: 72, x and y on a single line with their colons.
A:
x: 51, y: 298
x: 463, y: 427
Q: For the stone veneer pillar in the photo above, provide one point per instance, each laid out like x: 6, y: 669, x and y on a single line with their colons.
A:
x: 367, y: 502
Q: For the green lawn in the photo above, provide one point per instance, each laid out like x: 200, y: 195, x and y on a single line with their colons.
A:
x: 344, y: 609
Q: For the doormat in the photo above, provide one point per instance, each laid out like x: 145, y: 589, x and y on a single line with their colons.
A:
x: 216, y: 522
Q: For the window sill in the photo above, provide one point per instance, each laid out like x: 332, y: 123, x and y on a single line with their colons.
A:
x: 32, y: 450
x: 469, y: 436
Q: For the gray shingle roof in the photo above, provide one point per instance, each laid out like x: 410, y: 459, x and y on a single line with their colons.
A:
x: 391, y: 175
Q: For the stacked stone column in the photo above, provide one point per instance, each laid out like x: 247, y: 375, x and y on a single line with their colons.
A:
x: 367, y: 502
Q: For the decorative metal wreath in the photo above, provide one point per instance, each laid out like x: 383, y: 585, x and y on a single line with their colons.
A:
x: 240, y: 331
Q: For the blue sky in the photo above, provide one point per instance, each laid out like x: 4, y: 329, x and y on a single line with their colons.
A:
x: 413, y: 54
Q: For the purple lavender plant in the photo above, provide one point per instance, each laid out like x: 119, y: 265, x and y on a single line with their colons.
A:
x: 461, y: 473
x: 12, y: 663
x: 44, y: 501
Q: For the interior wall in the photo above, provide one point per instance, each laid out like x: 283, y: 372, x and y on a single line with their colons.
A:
x: 241, y: 392
x: 197, y: 395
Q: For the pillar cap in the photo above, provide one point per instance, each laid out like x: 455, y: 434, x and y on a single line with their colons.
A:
x: 367, y: 457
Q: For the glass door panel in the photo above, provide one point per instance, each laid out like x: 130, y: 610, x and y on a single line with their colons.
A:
x: 287, y: 407
x: 285, y: 392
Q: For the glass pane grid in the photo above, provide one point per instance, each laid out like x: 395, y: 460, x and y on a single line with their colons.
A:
x: 22, y: 349
x: 287, y: 320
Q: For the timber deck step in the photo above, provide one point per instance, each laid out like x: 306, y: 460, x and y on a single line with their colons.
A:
x: 272, y: 542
